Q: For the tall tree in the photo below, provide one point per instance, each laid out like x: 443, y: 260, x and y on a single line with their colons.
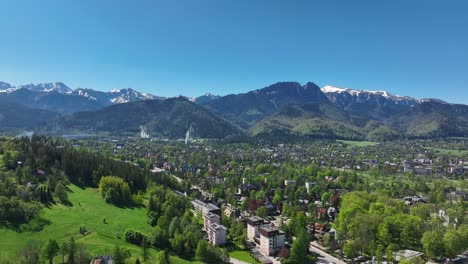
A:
x: 71, y: 251
x: 433, y: 244
x: 63, y: 250
x: 299, y: 251
x: 164, y: 257
x: 51, y: 250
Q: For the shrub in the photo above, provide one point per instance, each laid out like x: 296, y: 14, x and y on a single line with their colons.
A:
x: 115, y: 190
x: 135, y: 237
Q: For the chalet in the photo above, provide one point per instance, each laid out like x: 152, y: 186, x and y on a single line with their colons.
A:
x: 102, y: 260
x: 318, y: 229
x: 409, y: 200
x: 230, y: 211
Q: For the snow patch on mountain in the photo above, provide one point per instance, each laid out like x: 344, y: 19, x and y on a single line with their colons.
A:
x: 207, y: 97
x: 7, y: 88
x: 366, y: 93
x: 84, y: 93
x: 129, y: 95
x: 48, y: 87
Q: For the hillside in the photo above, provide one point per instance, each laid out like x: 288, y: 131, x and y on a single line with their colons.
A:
x: 17, y: 116
x: 170, y: 118
x: 317, y: 120
x: 88, y: 209
x: 433, y: 119
x: 249, y: 108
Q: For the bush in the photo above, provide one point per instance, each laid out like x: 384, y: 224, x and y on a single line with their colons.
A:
x: 115, y: 190
x: 135, y: 237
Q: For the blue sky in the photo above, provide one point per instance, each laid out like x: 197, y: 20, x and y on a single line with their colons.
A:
x: 415, y: 48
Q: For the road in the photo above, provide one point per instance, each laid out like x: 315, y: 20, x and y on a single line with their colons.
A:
x: 236, y: 261
x: 324, y: 256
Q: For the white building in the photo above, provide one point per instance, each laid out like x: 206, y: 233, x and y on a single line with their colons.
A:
x: 253, y: 223
x: 271, y: 240
x: 215, y: 231
x: 217, y: 234
x: 205, y: 208
x: 210, y: 219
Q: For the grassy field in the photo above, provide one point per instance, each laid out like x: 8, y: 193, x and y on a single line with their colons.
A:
x: 352, y: 144
x: 243, y: 255
x: 453, y: 152
x: 87, y: 209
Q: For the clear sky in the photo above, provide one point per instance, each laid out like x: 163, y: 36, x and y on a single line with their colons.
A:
x: 417, y: 48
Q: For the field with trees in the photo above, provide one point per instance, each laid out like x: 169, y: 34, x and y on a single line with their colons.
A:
x: 52, y: 209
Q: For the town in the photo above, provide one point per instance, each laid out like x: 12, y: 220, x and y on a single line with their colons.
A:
x: 267, y: 187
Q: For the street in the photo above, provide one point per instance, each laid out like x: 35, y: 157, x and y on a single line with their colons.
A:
x: 324, y: 256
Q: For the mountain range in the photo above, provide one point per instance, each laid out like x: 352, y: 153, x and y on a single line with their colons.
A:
x: 281, y: 110
x: 58, y: 97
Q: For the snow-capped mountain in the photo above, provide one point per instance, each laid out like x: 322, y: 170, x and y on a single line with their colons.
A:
x: 6, y: 87
x: 205, y: 98
x: 48, y: 87
x: 120, y: 96
x: 369, y: 104
x: 61, y: 98
x: 336, y: 94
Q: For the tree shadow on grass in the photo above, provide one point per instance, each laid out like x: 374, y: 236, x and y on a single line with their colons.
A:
x: 130, y: 205
x: 70, y: 190
x: 34, y: 225
x: 67, y: 203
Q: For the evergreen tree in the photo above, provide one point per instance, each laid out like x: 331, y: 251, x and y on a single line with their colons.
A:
x: 164, y: 257
x: 299, y: 251
x: 50, y: 250
x: 71, y: 251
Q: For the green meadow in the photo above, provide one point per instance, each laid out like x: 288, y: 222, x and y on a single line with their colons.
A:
x: 452, y: 152
x: 243, y: 256
x: 105, y: 225
x: 352, y: 143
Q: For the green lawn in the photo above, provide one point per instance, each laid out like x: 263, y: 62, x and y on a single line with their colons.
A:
x: 352, y: 144
x: 243, y: 255
x: 87, y: 209
x: 452, y: 152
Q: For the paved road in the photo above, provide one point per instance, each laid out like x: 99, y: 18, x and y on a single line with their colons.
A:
x: 236, y: 261
x: 324, y: 256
